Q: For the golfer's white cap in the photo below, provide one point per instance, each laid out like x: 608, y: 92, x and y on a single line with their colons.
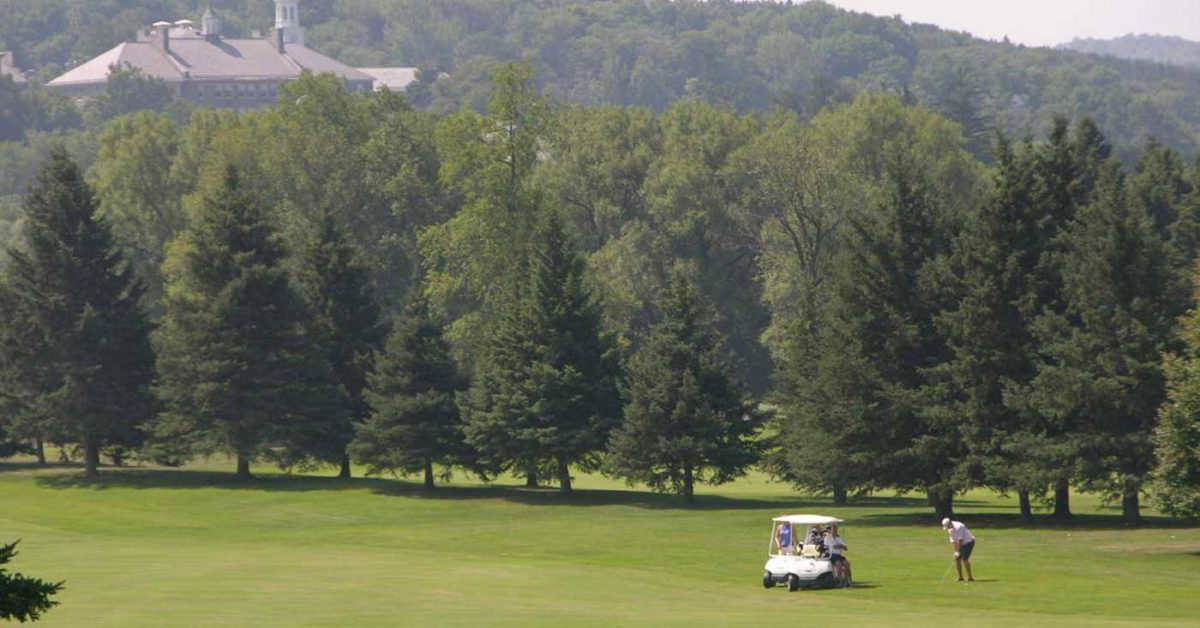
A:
x: 946, y: 522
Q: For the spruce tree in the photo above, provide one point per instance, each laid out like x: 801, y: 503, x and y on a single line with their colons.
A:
x: 546, y: 394
x: 687, y: 417
x: 827, y: 396
x: 1065, y: 171
x: 993, y: 265
x: 414, y: 421
x: 23, y: 598
x: 884, y: 316
x: 1100, y: 382
x: 1176, y: 485
x: 344, y: 322
x: 495, y: 409
x: 237, y: 373
x: 78, y: 338
x: 1159, y: 188
x: 866, y: 413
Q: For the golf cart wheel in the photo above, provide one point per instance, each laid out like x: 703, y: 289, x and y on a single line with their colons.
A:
x: 768, y: 581
x: 826, y: 581
x: 793, y: 582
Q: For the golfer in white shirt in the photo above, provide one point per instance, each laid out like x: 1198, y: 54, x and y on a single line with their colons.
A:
x: 964, y: 544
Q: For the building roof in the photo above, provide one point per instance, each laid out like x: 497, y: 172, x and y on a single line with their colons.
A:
x: 9, y: 68
x: 395, y: 79
x: 194, y: 57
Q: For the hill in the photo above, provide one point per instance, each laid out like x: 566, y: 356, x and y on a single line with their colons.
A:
x: 751, y: 55
x: 1157, y: 48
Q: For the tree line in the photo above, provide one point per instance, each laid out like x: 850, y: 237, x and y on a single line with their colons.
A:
x: 750, y: 55
x: 853, y: 302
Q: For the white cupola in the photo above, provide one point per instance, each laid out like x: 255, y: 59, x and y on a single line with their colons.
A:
x: 209, y: 24
x: 287, y: 21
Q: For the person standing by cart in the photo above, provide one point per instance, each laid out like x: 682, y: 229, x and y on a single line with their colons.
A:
x: 783, y: 538
x: 964, y: 545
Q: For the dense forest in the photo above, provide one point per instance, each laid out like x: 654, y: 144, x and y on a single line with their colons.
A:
x: 749, y: 55
x: 1157, y: 48
x: 859, y: 294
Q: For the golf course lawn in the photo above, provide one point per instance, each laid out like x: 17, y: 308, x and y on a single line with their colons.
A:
x: 189, y: 547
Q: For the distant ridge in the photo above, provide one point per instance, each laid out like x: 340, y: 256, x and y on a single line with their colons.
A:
x: 1159, y: 48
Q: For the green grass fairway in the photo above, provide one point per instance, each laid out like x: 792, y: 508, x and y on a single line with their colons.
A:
x: 159, y: 547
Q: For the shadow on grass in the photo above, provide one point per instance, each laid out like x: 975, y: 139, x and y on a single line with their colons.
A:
x: 157, y: 478
x: 906, y: 511
x: 1006, y: 521
x: 33, y: 465
x: 142, y: 478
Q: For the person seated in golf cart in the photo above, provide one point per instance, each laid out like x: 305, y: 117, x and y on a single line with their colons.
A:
x: 835, y: 545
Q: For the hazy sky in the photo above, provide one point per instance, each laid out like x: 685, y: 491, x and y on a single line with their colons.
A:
x: 1044, y: 22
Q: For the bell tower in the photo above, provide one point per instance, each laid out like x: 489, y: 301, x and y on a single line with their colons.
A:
x: 209, y: 24
x: 287, y: 21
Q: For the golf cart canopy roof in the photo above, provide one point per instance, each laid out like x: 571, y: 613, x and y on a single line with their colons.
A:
x: 806, y: 520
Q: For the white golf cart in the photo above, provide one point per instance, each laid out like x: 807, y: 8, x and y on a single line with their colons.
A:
x: 797, y: 556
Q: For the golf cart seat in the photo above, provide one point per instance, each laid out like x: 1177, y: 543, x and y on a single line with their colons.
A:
x: 810, y: 551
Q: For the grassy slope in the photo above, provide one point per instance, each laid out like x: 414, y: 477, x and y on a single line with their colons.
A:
x: 162, y: 547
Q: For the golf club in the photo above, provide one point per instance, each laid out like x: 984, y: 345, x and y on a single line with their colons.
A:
x: 947, y: 572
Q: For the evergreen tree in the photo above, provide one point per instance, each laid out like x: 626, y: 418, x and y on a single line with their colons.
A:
x: 1065, y: 170
x: 82, y: 345
x: 496, y: 408
x: 825, y: 440
x: 344, y: 322
x: 884, y: 317
x: 864, y: 414
x: 1176, y: 485
x: 237, y: 373
x: 414, y: 422
x: 23, y: 598
x: 991, y: 270
x: 687, y: 417
x: 1100, y: 382
x: 547, y: 392
x: 1159, y: 188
